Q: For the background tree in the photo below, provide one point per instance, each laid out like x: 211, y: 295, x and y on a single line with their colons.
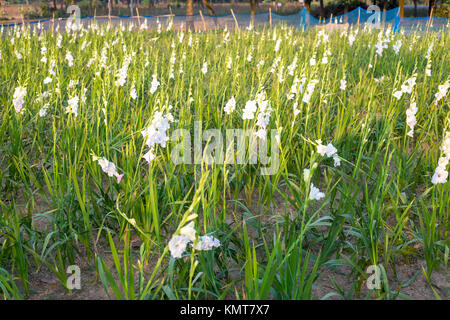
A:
x: 253, y: 7
x: 431, y: 4
x: 189, y: 15
x: 322, y: 9
x: 308, y: 5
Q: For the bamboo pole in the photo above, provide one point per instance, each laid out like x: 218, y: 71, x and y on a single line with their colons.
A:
x: 359, y: 14
x: 430, y: 18
x: 203, y: 20
x: 270, y: 17
x: 138, y: 16
x: 235, y: 20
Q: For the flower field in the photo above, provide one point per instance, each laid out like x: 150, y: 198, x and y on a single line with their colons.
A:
x: 113, y: 159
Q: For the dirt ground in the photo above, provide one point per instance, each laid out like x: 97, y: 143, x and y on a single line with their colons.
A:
x: 44, y: 285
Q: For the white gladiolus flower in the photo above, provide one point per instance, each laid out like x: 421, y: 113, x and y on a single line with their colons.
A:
x: 73, y: 106
x: 409, y: 84
x: 380, y: 46
x: 230, y: 106
x: 321, y: 149
x: 156, y: 134
x: 337, y: 160
x: 398, y: 94
x: 429, y: 51
x: 43, y: 111
x: 189, y: 231
x: 177, y: 245
x: 155, y: 84
x: 206, y: 243
x: 443, y: 89
x: 249, y: 110
x: 69, y: 58
x: 296, y: 110
x: 205, y: 68
x: 72, y: 83
x: 261, y: 134
x: 19, y: 98
x: 309, y: 91
x: 108, y: 167
x: 411, y: 118
x: 292, y: 67
x: 330, y: 150
x: 445, y: 148
x: 123, y: 72
x: 133, y: 93
x: 149, y: 156
x: 343, y: 84
x: 277, y: 45
x: 443, y: 162
x: 428, y: 69
x: 351, y: 39
x: 314, y: 193
x: 397, y: 46
x: 440, y: 176
x: 48, y: 80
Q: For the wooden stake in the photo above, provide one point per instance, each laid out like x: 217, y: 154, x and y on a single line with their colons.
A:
x: 53, y: 20
x: 235, y: 20
x: 270, y: 17
x: 429, y: 20
x: 203, y: 20
x: 139, y: 18
x: 359, y: 14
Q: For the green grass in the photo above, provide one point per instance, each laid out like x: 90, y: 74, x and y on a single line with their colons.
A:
x: 380, y: 206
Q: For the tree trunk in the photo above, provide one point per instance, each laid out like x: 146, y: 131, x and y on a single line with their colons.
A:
x: 252, y: 11
x: 415, y: 8
x: 430, y: 6
x: 322, y: 9
x: 189, y: 15
x: 54, y: 5
x: 346, y: 11
x: 308, y: 5
x: 252, y: 7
